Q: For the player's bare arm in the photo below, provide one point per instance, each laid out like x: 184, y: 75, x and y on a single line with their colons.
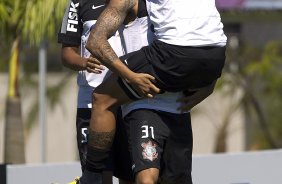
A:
x: 71, y: 58
x: 107, y: 24
x: 94, y: 66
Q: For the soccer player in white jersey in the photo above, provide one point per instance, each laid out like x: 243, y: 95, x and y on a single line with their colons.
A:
x: 189, y: 54
x: 80, y: 16
x: 159, y: 136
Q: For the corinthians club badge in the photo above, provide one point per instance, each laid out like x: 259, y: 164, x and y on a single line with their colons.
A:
x: 149, y: 151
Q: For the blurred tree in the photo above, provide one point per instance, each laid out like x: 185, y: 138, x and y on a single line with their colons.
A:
x: 29, y: 21
x: 257, y: 75
x: 267, y: 77
x: 53, y: 95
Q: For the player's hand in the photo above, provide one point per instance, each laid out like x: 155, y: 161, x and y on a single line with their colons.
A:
x: 93, y: 65
x: 144, y: 84
x: 195, y: 96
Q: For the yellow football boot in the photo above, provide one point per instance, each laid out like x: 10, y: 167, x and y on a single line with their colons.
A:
x: 75, y: 181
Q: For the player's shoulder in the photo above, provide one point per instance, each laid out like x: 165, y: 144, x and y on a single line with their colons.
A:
x: 87, y: 4
x: 92, y: 4
x: 76, y: 2
x: 91, y: 9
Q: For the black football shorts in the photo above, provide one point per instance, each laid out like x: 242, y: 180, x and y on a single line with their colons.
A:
x: 176, y: 68
x: 159, y: 140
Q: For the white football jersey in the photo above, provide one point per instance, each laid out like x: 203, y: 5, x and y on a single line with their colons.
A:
x: 187, y: 22
x: 78, y: 19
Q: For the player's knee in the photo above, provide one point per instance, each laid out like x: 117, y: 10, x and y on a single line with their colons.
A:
x: 102, y: 102
x: 97, y: 98
x: 99, y: 102
x: 148, y: 179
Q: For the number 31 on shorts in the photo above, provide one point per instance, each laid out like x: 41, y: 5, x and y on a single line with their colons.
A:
x: 147, y: 131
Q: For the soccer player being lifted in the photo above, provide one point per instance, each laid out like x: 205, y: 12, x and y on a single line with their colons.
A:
x: 188, y: 54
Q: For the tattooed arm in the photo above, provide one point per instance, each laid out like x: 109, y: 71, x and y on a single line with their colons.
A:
x: 107, y: 24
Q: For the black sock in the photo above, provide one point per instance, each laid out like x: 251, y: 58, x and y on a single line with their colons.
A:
x: 90, y: 178
x: 96, y: 159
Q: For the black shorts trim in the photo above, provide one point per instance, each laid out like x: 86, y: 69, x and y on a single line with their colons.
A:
x: 129, y: 90
x: 136, y: 61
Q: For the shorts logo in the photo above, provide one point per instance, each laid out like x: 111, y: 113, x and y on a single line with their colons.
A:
x: 125, y: 61
x: 149, y: 151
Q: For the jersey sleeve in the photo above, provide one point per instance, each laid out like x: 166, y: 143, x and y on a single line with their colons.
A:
x: 71, y: 27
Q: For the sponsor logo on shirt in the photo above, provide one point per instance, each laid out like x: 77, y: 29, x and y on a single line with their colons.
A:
x: 73, y: 18
x: 96, y: 7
